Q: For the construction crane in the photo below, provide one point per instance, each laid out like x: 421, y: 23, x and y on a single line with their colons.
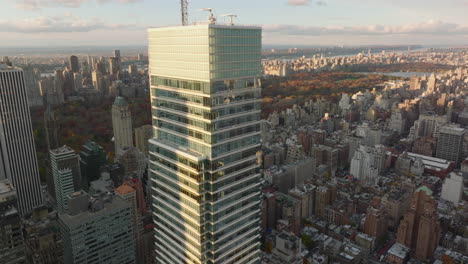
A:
x: 183, y: 11
x: 231, y: 17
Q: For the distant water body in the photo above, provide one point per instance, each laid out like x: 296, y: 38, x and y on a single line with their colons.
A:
x: 400, y: 74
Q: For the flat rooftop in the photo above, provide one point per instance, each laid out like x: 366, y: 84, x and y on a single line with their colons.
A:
x: 203, y: 25
x: 83, y: 217
x: 431, y: 162
x: 398, y: 250
x: 62, y: 150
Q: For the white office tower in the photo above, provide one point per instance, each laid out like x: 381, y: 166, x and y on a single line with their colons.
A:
x: 367, y: 163
x: 452, y: 189
x: 205, y: 94
x: 65, y: 164
x: 122, y: 124
x: 18, y: 161
x: 450, y: 143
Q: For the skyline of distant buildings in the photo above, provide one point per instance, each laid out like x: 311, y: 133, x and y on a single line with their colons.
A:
x: 374, y: 175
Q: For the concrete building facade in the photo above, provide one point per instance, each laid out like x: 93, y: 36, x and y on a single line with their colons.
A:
x: 122, y: 124
x: 18, y: 161
x: 97, y: 230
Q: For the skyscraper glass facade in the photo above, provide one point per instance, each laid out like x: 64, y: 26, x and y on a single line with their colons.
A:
x: 205, y: 94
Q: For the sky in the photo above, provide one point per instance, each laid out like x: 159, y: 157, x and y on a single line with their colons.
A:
x: 54, y: 23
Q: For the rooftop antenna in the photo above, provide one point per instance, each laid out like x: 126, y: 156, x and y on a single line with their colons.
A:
x: 211, y: 18
x: 231, y: 18
x: 183, y: 11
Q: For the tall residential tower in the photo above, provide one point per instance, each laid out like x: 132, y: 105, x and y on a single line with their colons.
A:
x: 122, y: 124
x: 205, y: 94
x: 65, y: 164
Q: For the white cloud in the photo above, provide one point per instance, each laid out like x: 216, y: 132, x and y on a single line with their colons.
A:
x: 431, y: 27
x: 298, y: 2
x: 305, y: 2
x: 40, y: 4
x: 58, y: 24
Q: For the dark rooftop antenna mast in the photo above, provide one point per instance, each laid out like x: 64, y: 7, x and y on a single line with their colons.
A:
x: 183, y: 11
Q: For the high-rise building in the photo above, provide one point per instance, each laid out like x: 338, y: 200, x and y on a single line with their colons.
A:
x: 367, y: 163
x: 122, y: 124
x: 322, y: 199
x: 129, y: 194
x: 415, y: 84
x: 74, y: 63
x: 450, y: 143
x: 65, y: 164
x: 142, y: 135
x: 431, y: 84
x: 31, y: 78
x: 46, y: 86
x: 424, y: 146
x: 117, y: 53
x: 77, y: 82
x: 376, y: 219
x: 58, y: 90
x: 51, y: 122
x: 427, y: 125
x: 92, y: 157
x: 397, y: 121
x: 205, y: 95
x: 85, y: 69
x: 68, y: 82
x: 306, y: 194
x: 11, y: 237
x: 452, y: 189
x: 99, y: 66
x: 18, y: 161
x: 97, y: 230
x: 58, y: 80
x: 48, y: 92
x: 326, y: 155
x: 133, y: 161
x: 114, y: 65
x: 420, y: 227
x: 395, y: 204
x: 132, y: 70
x: 137, y: 185
x: 97, y: 80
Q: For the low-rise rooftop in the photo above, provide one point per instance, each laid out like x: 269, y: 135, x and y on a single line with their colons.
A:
x: 399, y: 250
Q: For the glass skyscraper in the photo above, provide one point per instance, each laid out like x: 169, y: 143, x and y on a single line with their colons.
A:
x: 205, y: 94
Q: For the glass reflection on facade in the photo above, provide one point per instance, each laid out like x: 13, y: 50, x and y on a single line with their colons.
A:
x: 205, y: 94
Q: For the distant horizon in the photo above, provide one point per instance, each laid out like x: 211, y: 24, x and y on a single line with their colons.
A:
x: 62, y: 23
x: 264, y: 46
